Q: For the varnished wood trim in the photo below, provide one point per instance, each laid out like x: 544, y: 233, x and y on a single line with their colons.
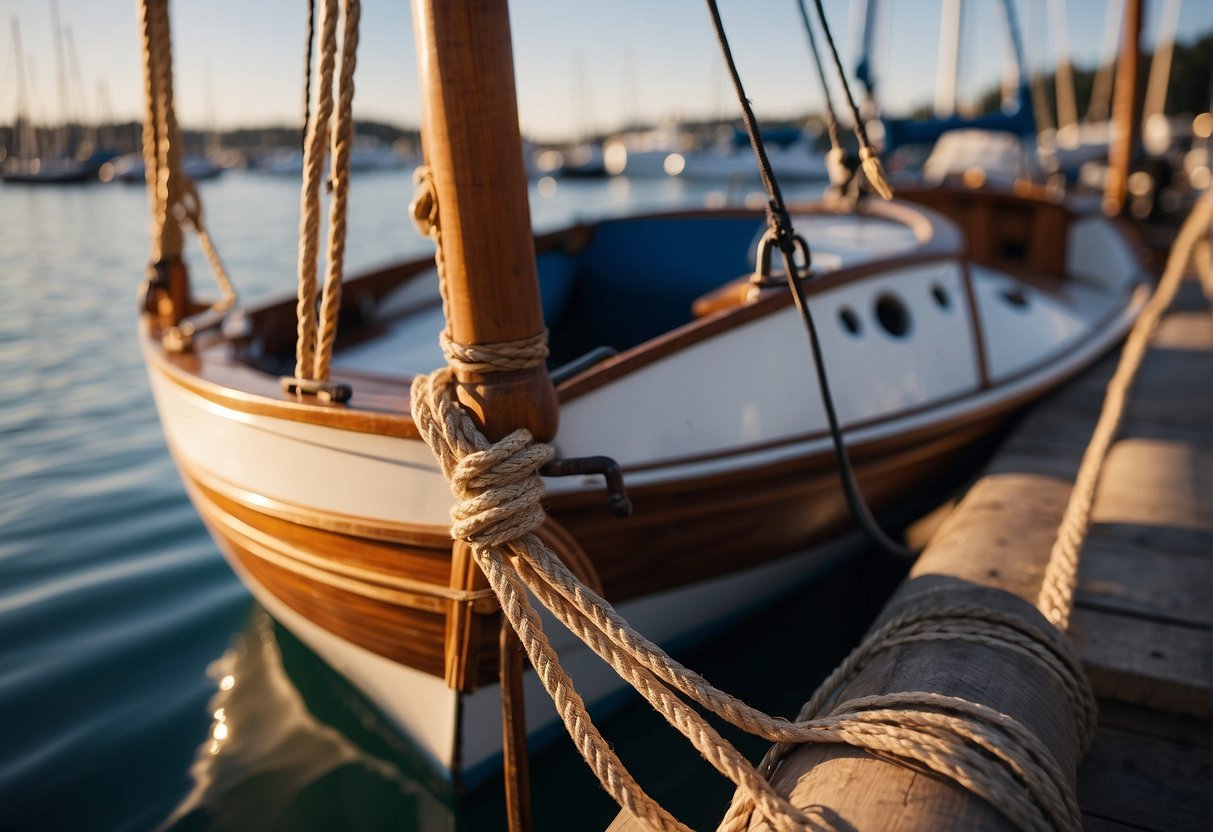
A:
x: 415, y: 534
x: 210, y: 374
x: 305, y: 556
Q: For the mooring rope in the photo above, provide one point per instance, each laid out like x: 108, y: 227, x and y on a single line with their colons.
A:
x: 174, y: 197
x: 982, y: 750
x: 1061, y: 575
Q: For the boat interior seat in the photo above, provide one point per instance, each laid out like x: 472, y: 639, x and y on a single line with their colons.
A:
x: 638, y: 278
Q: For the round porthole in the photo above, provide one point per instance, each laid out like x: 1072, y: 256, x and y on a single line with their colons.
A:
x: 893, y: 315
x: 1015, y: 297
x: 849, y: 320
x: 942, y: 299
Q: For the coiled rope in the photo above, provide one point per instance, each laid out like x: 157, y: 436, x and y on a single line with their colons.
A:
x: 316, y: 332
x: 174, y: 197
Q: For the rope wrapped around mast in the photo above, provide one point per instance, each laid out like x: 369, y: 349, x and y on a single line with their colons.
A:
x: 174, y: 197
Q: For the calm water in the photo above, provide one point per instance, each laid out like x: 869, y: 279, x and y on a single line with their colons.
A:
x: 127, y: 645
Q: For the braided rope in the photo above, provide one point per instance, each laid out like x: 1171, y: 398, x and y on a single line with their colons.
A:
x: 309, y: 211
x: 489, y: 358
x: 173, y: 195
x: 1061, y: 575
x: 980, y: 749
x: 500, y: 495
x: 343, y: 139
x: 496, y: 357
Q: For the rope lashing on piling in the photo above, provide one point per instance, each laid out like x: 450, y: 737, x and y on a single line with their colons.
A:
x: 984, y: 751
x: 317, y: 330
x: 174, y: 198
x: 500, y: 494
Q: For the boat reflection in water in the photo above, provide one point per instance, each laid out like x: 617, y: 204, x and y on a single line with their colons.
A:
x: 300, y: 749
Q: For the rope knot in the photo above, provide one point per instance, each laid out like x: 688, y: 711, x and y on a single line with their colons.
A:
x: 497, y: 484
x: 424, y: 207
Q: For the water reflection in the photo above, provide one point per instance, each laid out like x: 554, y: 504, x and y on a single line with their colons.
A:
x: 269, y: 761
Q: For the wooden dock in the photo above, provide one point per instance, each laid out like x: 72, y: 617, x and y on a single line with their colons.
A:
x: 1144, y: 602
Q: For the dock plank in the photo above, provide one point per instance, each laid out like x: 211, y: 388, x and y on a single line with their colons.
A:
x: 1128, y: 570
x: 1141, y: 782
x: 1144, y: 662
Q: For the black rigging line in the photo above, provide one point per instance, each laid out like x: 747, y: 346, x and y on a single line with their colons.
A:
x: 780, y: 224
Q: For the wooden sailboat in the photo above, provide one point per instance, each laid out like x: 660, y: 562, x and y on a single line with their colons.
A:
x: 665, y: 355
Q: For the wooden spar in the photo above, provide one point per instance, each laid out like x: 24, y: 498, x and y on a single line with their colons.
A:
x: 474, y: 150
x: 1124, y: 112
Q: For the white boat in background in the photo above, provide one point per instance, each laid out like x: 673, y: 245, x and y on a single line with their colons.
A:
x: 672, y: 350
x: 997, y: 157
x: 799, y: 161
x: 368, y: 153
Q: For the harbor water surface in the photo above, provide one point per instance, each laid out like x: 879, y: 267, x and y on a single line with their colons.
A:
x: 140, y: 686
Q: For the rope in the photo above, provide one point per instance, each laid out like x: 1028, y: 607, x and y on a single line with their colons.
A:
x: 174, y: 197
x: 495, y: 357
x: 781, y: 232
x: 500, y: 493
x: 836, y: 158
x: 872, y: 168
x: 307, y: 74
x: 316, y: 333
x: 489, y: 358
x: 343, y: 139
x: 313, y: 170
x: 499, y: 506
x: 1015, y: 774
x: 1061, y: 575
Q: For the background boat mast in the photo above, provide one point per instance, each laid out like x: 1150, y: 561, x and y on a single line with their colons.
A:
x: 1124, y: 111
x: 473, y: 147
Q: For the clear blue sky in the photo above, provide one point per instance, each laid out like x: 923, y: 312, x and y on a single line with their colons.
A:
x: 582, y: 65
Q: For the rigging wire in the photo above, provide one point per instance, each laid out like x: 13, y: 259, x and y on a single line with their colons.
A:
x: 840, y: 172
x: 780, y: 223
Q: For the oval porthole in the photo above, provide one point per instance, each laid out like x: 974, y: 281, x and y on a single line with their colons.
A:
x: 1015, y: 297
x: 849, y: 320
x: 893, y: 315
x: 942, y: 299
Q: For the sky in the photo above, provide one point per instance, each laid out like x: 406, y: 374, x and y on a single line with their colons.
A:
x: 582, y: 66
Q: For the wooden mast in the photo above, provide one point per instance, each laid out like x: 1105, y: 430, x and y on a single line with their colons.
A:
x: 474, y: 150
x: 1124, y: 112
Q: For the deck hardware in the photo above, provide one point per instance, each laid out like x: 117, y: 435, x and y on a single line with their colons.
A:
x: 617, y: 493
x: 322, y: 389
x: 762, y: 277
x: 566, y: 371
